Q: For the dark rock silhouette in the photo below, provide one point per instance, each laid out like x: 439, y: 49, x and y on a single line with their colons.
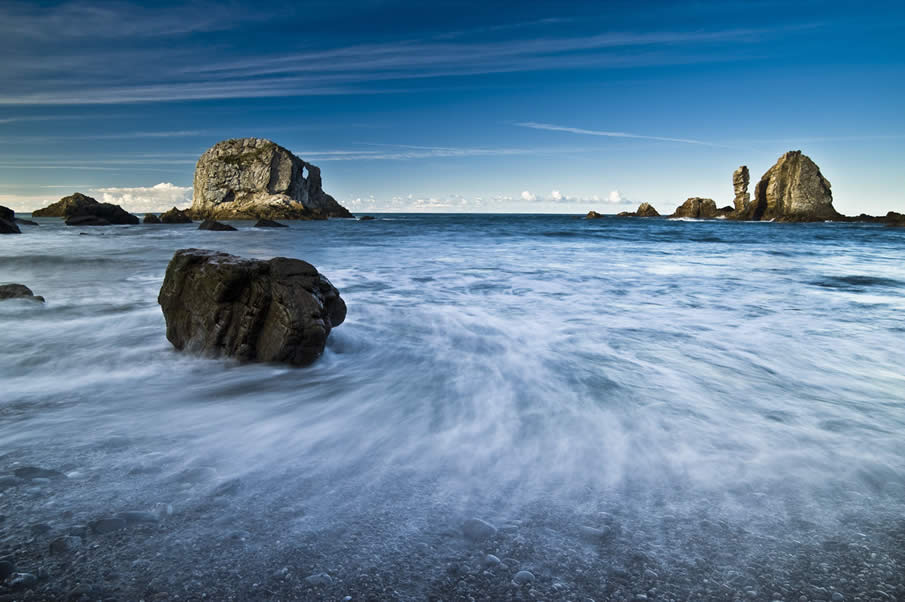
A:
x: 175, y: 216
x: 8, y: 221
x: 210, y: 224
x: 269, y: 223
x: 18, y: 291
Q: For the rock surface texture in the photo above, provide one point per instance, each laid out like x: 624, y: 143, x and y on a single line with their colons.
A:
x: 792, y: 190
x: 175, y: 216
x: 253, y: 178
x: 8, y: 221
x: 646, y: 210
x: 740, y: 180
x: 18, y: 291
x: 593, y: 215
x: 696, y: 207
x: 278, y: 310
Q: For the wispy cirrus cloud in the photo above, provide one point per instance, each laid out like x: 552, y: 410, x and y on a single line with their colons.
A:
x: 608, y: 134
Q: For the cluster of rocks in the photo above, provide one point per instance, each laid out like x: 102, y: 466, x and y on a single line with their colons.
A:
x: 792, y: 190
x: 279, y: 310
x: 82, y: 210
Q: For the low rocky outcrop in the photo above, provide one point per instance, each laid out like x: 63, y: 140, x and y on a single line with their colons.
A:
x: 252, y: 178
x: 26, y: 222
x: 593, y: 215
x: 366, y: 218
x: 66, y: 206
x: 792, y: 190
x: 150, y: 218
x: 740, y: 180
x: 175, y: 216
x: 8, y: 221
x: 18, y: 291
x: 698, y: 208
x: 644, y: 210
x: 100, y: 214
x: 269, y: 223
x: 277, y: 310
x: 210, y: 224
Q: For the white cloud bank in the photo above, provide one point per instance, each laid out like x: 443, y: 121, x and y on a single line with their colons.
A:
x: 159, y: 197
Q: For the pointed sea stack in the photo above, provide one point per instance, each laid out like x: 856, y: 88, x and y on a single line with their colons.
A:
x: 793, y: 190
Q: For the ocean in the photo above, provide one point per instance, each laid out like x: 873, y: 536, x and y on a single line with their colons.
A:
x: 642, y: 408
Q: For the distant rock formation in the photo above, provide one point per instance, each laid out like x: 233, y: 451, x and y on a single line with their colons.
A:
x: 65, y: 206
x: 8, y: 221
x: 593, y: 215
x: 210, y: 224
x: 698, y: 208
x: 150, y: 218
x: 792, y: 190
x: 644, y: 210
x: 366, y: 218
x: 175, y: 216
x: 740, y: 180
x: 280, y: 310
x: 269, y: 223
x: 252, y: 178
x: 18, y: 291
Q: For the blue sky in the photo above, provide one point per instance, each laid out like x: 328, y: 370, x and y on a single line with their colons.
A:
x: 530, y: 107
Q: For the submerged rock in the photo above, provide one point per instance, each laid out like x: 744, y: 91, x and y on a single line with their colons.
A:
x: 249, y: 178
x: 476, y: 529
x: 696, y: 207
x: 277, y: 310
x: 175, y: 216
x: 150, y: 218
x: 269, y: 223
x: 18, y: 291
x: 26, y: 222
x: 366, y: 218
x: 8, y: 221
x: 792, y: 190
x: 210, y: 224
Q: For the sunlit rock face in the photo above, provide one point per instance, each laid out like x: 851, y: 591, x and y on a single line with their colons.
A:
x: 792, y: 190
x: 254, y: 178
x: 279, y: 310
x: 696, y: 207
x: 740, y: 180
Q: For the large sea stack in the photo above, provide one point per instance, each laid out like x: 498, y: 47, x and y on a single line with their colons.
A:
x: 740, y: 180
x: 280, y: 310
x: 254, y: 178
x: 792, y: 190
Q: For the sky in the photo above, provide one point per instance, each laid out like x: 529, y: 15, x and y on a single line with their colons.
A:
x: 440, y: 106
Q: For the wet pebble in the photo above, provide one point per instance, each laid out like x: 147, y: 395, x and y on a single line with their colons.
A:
x: 7, y: 568
x: 476, y: 529
x: 593, y: 533
x: 319, y: 579
x: 21, y: 580
x: 523, y: 578
x: 107, y: 525
x: 837, y: 597
x: 490, y: 560
x: 65, y: 544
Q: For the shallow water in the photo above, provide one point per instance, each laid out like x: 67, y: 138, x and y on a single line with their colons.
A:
x: 490, y: 366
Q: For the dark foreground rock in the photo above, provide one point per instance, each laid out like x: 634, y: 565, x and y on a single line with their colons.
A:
x: 279, y: 310
x: 251, y: 178
x: 8, y: 221
x: 696, y: 207
x: 269, y: 223
x: 175, y: 216
x: 18, y: 291
x: 150, y: 218
x: 210, y: 224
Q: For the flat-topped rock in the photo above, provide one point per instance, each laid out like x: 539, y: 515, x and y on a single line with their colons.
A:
x: 277, y: 310
x: 210, y: 224
x: 252, y: 178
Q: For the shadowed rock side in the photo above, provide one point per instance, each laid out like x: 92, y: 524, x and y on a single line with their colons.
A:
x: 81, y: 210
x: 280, y: 310
x: 150, y: 218
x: 253, y: 178
x: 8, y: 221
x: 65, y: 206
x: 18, y: 291
x: 269, y: 223
x: 792, y: 190
x: 175, y: 216
x: 210, y: 224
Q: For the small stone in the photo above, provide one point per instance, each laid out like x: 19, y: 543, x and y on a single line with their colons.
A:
x: 319, y: 580
x: 523, y: 578
x: 593, y: 532
x: 107, y: 525
x: 476, y: 529
x: 649, y: 574
x: 65, y: 545
x: 7, y: 568
x: 837, y: 597
x: 22, y: 580
x: 137, y: 516
x: 491, y: 560
x: 78, y: 530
